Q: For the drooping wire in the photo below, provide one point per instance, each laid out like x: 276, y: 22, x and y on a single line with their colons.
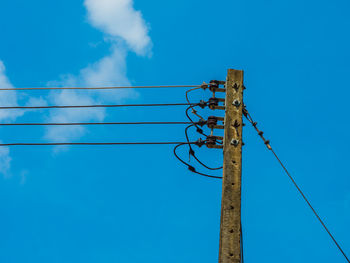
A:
x: 95, y: 106
x: 192, y: 152
x: 188, y: 100
x: 193, y: 110
x: 100, y: 88
x: 94, y: 143
x: 193, y: 122
x: 267, y: 143
x: 199, y: 130
x: 190, y: 167
x: 95, y: 123
x: 201, y: 104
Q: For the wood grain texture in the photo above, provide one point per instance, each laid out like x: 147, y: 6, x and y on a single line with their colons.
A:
x: 230, y: 249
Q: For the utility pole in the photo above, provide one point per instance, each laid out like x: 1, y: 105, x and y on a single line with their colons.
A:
x: 230, y: 228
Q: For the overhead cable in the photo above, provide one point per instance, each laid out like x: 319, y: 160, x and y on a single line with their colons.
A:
x: 190, y: 167
x: 101, y: 88
x: 202, y: 104
x: 192, y: 152
x: 267, y: 143
x: 96, y: 123
x: 94, y: 143
x: 95, y: 106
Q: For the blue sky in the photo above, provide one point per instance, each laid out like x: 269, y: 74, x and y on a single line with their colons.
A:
x: 132, y: 204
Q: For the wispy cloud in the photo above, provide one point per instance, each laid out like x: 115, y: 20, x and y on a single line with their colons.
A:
x: 5, y: 161
x: 125, y: 30
x: 7, y: 98
x: 119, y: 20
x: 69, y: 97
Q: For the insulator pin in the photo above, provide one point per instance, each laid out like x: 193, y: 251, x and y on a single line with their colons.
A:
x: 211, y: 141
x: 213, y: 103
x: 212, y: 122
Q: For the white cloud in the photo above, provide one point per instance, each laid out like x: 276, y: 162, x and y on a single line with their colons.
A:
x: 5, y: 160
x: 7, y: 98
x: 121, y: 24
x: 36, y: 101
x: 125, y: 30
x: 118, y: 19
x: 70, y: 97
x: 109, y: 71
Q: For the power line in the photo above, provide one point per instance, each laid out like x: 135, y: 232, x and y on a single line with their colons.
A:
x: 267, y: 143
x: 95, y: 123
x: 190, y: 167
x: 192, y: 152
x: 309, y: 204
x: 95, y: 106
x: 101, y: 88
x: 193, y: 110
x: 93, y: 143
x: 200, y: 131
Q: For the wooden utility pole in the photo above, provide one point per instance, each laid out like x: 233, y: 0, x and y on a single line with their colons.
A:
x: 230, y: 228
